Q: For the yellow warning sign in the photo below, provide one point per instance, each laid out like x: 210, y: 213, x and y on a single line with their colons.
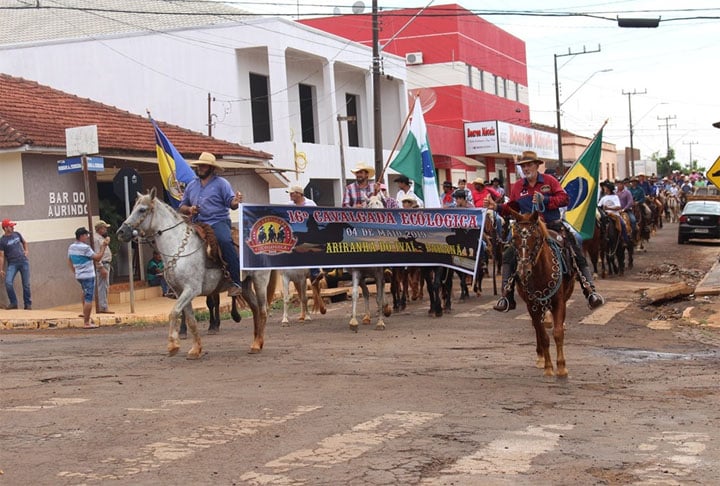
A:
x: 713, y: 175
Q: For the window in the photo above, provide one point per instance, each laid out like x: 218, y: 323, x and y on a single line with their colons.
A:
x: 351, y: 103
x: 260, y: 108
x: 307, y: 113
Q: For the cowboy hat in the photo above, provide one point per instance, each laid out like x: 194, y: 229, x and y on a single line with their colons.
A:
x: 292, y: 189
x: 101, y: 224
x: 479, y: 180
x: 363, y: 166
x: 206, y: 158
x: 527, y: 157
x: 409, y: 198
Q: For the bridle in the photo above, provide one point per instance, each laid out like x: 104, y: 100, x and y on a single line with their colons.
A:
x: 530, y: 250
x: 141, y: 235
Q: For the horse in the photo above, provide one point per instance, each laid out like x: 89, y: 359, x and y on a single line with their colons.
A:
x: 545, y: 282
x: 672, y: 208
x: 299, y: 277
x: 190, y: 271
x: 594, y: 247
x: 439, y: 285
x: 359, y: 275
x: 213, y: 304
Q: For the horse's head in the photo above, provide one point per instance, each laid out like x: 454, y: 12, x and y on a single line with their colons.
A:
x: 528, y: 237
x: 140, y: 219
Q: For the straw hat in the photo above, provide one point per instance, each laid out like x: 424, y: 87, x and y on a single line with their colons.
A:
x: 408, y: 198
x: 527, y: 157
x: 479, y: 180
x: 363, y: 166
x: 206, y: 158
x: 292, y: 189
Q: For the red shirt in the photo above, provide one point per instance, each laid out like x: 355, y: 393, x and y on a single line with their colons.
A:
x: 479, y: 196
x: 554, y: 197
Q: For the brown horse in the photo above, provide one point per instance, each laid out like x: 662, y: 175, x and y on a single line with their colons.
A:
x: 543, y: 284
x: 594, y: 248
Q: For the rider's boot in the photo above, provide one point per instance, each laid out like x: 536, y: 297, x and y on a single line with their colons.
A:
x: 594, y: 299
x: 507, y: 301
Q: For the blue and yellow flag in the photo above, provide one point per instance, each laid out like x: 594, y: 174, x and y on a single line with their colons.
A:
x: 581, y: 183
x: 174, y: 171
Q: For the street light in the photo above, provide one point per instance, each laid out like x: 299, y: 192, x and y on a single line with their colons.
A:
x: 585, y: 82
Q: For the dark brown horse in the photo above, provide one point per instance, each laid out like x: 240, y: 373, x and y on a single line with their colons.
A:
x: 594, y: 248
x: 545, y: 282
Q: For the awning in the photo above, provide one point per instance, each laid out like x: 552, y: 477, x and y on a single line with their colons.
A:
x: 467, y: 161
x: 270, y: 174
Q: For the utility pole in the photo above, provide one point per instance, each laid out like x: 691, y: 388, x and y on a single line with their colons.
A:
x: 630, y: 164
x: 667, y: 130
x: 341, y: 119
x: 377, y: 118
x: 557, y: 99
x: 691, y: 165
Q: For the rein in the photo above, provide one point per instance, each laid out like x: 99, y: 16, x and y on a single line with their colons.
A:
x: 540, y: 298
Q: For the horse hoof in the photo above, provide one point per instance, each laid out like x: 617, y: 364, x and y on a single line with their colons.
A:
x: 562, y: 374
x: 380, y: 326
x: 193, y: 356
x: 387, y: 311
x: 323, y: 311
x: 182, y: 335
x: 213, y: 331
x: 173, y: 351
x: 254, y: 351
x: 354, y: 327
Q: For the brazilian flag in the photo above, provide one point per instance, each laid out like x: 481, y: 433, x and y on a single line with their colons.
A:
x: 581, y: 183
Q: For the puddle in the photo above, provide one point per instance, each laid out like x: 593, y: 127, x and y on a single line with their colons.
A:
x: 629, y: 355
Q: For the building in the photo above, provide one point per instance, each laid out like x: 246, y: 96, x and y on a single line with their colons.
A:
x: 471, y: 77
x: 267, y: 83
x: 48, y: 205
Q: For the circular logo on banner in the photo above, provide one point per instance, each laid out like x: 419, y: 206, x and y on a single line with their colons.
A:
x: 271, y: 235
x: 175, y: 188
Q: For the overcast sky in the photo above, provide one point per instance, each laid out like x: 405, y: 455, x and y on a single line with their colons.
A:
x: 675, y: 64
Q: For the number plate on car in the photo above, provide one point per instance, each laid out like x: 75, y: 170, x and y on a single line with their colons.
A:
x: 700, y: 230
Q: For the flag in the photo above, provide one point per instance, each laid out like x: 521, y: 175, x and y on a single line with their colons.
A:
x: 581, y: 183
x: 174, y: 171
x: 415, y: 160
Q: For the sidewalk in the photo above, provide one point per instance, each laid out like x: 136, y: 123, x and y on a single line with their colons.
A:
x: 153, y: 310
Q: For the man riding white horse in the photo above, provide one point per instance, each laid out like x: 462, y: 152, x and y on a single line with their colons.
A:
x: 543, y: 193
x: 207, y: 199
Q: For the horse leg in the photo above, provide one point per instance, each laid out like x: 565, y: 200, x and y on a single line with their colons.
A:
x: 355, y: 295
x: 213, y: 304
x: 318, y: 302
x: 257, y: 301
x: 286, y: 298
x: 367, y: 320
x: 380, y: 298
x: 301, y: 287
x: 542, y: 348
x: 559, y: 336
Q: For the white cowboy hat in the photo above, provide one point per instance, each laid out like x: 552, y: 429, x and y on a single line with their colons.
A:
x: 363, y: 166
x: 206, y: 158
x: 292, y: 189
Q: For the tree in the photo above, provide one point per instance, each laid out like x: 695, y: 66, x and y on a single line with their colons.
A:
x: 667, y: 164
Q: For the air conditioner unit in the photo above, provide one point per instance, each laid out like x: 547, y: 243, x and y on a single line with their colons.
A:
x: 412, y: 58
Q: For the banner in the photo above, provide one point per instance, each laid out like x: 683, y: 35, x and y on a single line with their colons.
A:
x: 317, y: 237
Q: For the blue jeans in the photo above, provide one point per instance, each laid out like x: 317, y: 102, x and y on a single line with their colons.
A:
x: 223, y: 234
x: 12, y: 270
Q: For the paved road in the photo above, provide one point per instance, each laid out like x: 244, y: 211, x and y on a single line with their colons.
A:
x: 455, y: 400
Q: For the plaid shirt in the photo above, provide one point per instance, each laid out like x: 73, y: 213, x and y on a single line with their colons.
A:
x: 356, y: 196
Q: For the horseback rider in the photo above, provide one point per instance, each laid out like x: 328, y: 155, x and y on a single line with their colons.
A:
x: 626, y: 203
x: 207, y: 199
x: 610, y: 203
x: 543, y: 193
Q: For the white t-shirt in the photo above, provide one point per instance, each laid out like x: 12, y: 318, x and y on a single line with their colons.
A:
x: 401, y: 194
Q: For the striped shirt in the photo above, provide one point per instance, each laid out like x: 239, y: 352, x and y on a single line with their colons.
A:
x: 80, y: 254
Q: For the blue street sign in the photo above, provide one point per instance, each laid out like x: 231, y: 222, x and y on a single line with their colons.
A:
x: 74, y: 164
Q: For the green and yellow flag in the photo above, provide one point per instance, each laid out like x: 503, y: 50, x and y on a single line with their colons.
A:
x: 581, y: 183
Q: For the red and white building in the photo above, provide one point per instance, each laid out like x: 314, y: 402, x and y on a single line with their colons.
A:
x: 471, y: 77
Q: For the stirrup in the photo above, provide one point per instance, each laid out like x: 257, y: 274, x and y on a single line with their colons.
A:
x: 595, y: 300
x: 504, y: 304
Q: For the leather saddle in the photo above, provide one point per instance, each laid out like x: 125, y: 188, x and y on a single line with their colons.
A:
x: 212, y: 248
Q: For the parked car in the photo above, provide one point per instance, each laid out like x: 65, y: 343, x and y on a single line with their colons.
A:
x: 700, y: 219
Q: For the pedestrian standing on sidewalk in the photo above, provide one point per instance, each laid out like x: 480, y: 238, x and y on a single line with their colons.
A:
x: 81, y: 260
x: 14, y: 249
x: 103, y: 267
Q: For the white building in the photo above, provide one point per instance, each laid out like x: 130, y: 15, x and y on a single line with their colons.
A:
x: 267, y: 83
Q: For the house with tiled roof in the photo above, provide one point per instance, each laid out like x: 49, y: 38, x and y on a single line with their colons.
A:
x: 267, y: 83
x: 48, y: 205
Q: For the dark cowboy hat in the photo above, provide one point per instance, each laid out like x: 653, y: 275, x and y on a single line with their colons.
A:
x: 528, y: 157
x: 609, y: 185
x: 459, y: 193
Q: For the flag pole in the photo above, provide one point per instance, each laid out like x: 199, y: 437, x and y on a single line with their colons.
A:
x: 172, y: 169
x: 586, y: 148
x: 397, y: 141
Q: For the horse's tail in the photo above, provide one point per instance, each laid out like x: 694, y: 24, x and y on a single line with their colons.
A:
x: 318, y: 303
x: 271, y: 286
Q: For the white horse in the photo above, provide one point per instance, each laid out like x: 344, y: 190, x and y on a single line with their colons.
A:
x: 358, y: 282
x: 299, y: 276
x: 189, y: 270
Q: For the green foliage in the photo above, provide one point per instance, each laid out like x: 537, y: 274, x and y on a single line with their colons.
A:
x: 109, y: 214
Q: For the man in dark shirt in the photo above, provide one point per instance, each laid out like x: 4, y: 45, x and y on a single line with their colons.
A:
x: 14, y: 250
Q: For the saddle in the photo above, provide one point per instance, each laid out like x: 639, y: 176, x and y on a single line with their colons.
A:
x: 558, y: 241
x: 212, y: 248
